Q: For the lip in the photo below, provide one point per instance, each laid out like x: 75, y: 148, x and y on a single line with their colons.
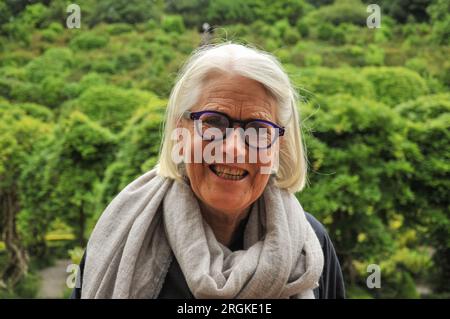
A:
x: 224, y: 180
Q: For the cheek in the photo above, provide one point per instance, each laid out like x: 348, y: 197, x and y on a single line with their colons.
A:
x: 260, y: 182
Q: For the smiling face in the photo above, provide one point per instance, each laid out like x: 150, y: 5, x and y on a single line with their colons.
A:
x: 230, y: 188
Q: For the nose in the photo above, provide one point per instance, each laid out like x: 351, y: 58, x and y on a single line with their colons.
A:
x: 234, y: 146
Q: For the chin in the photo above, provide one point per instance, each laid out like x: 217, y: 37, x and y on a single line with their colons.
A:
x: 225, y: 202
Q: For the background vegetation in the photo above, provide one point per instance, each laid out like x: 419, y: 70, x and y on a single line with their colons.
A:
x: 81, y: 113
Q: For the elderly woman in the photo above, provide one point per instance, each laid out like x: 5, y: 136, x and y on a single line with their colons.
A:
x: 217, y: 217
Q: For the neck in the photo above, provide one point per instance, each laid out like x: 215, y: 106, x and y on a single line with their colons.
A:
x: 223, y: 224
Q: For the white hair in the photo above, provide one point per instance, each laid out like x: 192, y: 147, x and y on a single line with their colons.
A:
x: 253, y: 64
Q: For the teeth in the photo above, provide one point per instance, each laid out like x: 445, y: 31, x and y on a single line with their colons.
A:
x: 227, y: 172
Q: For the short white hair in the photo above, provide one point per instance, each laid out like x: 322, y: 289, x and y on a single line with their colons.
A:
x: 251, y: 63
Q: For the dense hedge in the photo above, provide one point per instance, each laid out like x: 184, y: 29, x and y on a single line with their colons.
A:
x: 81, y: 112
x: 396, y: 85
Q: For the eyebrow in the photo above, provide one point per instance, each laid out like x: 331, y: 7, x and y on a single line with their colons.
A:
x: 259, y: 115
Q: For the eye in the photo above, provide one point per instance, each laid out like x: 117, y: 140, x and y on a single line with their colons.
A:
x: 214, y: 120
x: 259, y: 134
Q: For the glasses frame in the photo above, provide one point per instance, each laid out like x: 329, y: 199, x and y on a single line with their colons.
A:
x: 232, y: 123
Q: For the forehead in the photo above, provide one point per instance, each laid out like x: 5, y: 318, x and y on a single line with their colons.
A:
x: 237, y: 96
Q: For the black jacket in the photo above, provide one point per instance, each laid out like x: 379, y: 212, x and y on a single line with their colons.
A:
x: 331, y: 283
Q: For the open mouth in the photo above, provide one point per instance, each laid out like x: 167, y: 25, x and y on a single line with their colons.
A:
x: 227, y: 172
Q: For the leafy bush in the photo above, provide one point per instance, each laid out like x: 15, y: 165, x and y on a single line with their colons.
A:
x: 359, y: 155
x: 111, y: 106
x: 440, y: 18
x: 429, y: 118
x: 22, y: 27
x: 324, y: 81
x: 395, y: 85
x: 88, y: 41
x: 374, y: 55
x: 28, y: 288
x: 125, y: 11
x: 341, y: 11
x: 129, y: 60
x: 138, y: 152
x: 119, y: 28
x: 54, y: 62
x: 328, y: 32
x: 173, y: 23
x: 31, y: 109
x: 231, y: 11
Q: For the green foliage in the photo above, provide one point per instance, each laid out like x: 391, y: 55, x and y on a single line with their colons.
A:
x: 31, y: 109
x: 76, y: 254
x: 20, y: 29
x: 439, y: 12
x: 231, y: 11
x: 88, y: 41
x: 396, y: 85
x: 55, y: 62
x: 193, y: 11
x: 18, y: 135
x: 110, y: 105
x: 173, y: 23
x: 406, y: 10
x: 71, y: 162
x: 138, y: 152
x: 348, y: 11
x: 360, y: 172
x: 125, y: 11
x: 27, y: 288
x: 129, y: 60
x: 429, y: 127
x: 81, y: 114
x: 314, y: 81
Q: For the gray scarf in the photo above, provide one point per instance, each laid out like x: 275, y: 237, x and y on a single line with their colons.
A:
x: 155, y: 219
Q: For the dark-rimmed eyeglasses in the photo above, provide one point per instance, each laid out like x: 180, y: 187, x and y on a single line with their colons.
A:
x: 214, y: 125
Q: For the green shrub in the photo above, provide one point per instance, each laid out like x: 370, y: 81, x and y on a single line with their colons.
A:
x: 173, y: 23
x: 124, y: 11
x: 49, y: 35
x: 356, y: 55
x: 16, y: 58
x: 440, y: 19
x: 28, y: 288
x: 22, y: 26
x: 76, y: 254
x: 24, y: 92
x: 54, y: 62
x: 222, y: 12
x: 429, y: 118
x: 331, y: 81
x: 303, y: 28
x: 313, y: 60
x: 328, y: 32
x: 88, y: 41
x: 341, y: 11
x: 31, y: 109
x: 91, y: 79
x: 103, y: 66
x: 119, y: 28
x: 418, y: 65
x: 394, y: 85
x: 129, y: 60
x: 359, y: 169
x: 52, y: 91
x: 138, y: 152
x: 374, y: 55
x: 357, y: 150
x: 110, y: 105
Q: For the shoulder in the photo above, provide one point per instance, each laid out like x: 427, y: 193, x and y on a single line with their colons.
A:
x: 331, y: 283
x: 318, y: 228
